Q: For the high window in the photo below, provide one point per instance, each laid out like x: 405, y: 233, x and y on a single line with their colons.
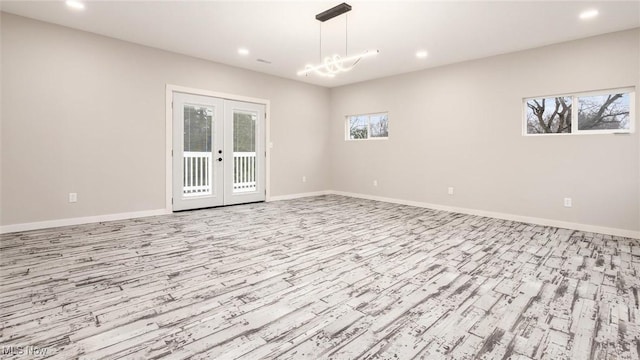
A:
x: 597, y: 112
x: 367, y: 126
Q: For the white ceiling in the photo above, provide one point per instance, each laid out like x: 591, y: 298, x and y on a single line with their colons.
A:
x: 287, y: 34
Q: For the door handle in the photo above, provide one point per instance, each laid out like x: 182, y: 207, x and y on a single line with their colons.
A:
x: 219, y: 159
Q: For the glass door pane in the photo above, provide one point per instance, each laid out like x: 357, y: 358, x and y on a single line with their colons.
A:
x: 244, y: 142
x: 197, y: 160
x: 244, y: 151
x: 197, y: 152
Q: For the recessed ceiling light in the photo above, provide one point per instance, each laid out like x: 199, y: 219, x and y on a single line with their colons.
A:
x: 421, y: 54
x: 243, y: 51
x: 75, y: 4
x: 588, y: 14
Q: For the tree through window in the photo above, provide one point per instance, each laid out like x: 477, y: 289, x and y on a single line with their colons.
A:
x: 369, y: 126
x: 549, y: 115
x: 604, y: 112
x: 595, y: 112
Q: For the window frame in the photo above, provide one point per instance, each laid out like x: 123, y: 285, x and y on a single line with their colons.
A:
x: 575, y: 111
x: 347, y: 126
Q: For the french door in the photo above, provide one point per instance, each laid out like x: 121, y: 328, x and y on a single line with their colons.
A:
x: 218, y: 152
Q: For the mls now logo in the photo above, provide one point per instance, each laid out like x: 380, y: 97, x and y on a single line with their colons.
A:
x: 24, y: 350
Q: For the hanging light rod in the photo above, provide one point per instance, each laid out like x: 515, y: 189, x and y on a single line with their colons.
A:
x: 332, y: 65
x: 333, y: 12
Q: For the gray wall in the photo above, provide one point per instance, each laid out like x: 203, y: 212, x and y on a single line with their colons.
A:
x: 461, y: 126
x: 85, y: 113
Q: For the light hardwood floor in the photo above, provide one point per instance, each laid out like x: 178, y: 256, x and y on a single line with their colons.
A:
x: 323, y: 277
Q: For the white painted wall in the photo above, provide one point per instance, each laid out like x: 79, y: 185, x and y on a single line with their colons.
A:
x: 86, y: 113
x: 461, y: 126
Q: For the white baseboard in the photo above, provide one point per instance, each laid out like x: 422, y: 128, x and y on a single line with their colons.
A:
x: 120, y: 216
x: 77, y: 221
x: 503, y: 216
x: 525, y: 219
x: 298, y: 196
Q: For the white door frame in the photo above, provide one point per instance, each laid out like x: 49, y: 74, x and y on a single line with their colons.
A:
x: 170, y: 89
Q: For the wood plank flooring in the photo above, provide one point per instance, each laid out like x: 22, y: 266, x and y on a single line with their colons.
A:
x: 323, y: 277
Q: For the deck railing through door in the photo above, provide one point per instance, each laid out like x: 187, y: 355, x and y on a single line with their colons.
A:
x: 244, y: 176
x: 198, y: 175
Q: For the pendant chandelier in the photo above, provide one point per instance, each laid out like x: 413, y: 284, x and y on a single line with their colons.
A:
x: 335, y: 64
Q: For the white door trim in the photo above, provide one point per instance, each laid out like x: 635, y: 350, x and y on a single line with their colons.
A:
x: 170, y: 89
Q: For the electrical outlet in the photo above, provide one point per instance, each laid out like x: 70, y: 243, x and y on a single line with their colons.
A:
x: 450, y: 190
x: 375, y: 182
x: 73, y: 197
x: 568, y: 202
x: 304, y: 179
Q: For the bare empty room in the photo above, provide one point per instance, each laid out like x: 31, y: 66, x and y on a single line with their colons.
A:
x: 319, y: 180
